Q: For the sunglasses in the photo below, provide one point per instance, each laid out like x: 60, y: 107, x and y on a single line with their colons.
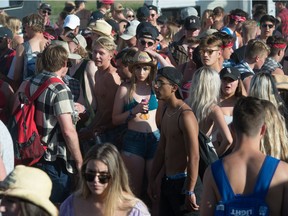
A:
x: 159, y: 83
x: 102, y: 177
x: 46, y: 12
x: 149, y: 43
x: 267, y: 25
x: 152, y: 15
x: 131, y: 16
x: 208, y: 51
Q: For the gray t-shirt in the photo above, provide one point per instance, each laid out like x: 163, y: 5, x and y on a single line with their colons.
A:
x: 6, y: 148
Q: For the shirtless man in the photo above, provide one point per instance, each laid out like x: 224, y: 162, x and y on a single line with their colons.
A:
x: 243, y: 165
x: 106, y: 84
x: 178, y: 150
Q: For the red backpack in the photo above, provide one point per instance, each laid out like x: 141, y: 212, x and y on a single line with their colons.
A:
x: 28, y: 148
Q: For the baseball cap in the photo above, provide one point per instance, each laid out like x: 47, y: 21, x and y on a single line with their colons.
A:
x: 189, y: 11
x: 162, y: 19
x: 118, y: 7
x: 173, y: 75
x: 6, y: 32
x: 147, y: 30
x: 71, y: 21
x: 114, y: 25
x: 45, y: 6
x: 65, y: 45
x: 130, y: 30
x: 152, y: 7
x: 143, y: 12
x: 107, y: 1
x: 192, y: 22
x: 96, y: 15
x: 232, y: 73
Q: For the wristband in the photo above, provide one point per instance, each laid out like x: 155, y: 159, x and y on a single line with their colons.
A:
x: 189, y: 193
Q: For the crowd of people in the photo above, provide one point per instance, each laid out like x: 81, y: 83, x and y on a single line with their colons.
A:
x: 135, y: 88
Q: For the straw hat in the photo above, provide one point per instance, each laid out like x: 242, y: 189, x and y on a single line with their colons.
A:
x: 31, y: 184
x: 101, y: 27
x: 281, y: 81
x: 143, y: 58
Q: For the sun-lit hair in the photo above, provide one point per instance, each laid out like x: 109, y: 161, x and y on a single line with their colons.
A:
x: 118, y: 194
x: 204, y: 92
x: 275, y: 141
x: 35, y: 22
x: 263, y: 87
x: 207, y: 14
x: 54, y: 57
x: 210, y: 40
x: 256, y: 48
x: 106, y: 43
x: 14, y: 24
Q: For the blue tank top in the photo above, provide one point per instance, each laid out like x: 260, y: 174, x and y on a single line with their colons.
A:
x: 153, y: 103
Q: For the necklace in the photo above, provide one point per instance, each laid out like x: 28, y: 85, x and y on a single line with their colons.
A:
x: 170, y: 115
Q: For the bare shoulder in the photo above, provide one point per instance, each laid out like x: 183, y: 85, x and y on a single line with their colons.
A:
x: 282, y: 171
x: 91, y: 67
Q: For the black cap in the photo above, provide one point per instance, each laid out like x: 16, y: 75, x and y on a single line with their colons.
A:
x: 147, y: 30
x: 6, y: 32
x: 232, y: 73
x: 152, y: 7
x: 173, y: 75
x: 143, y: 12
x: 45, y: 6
x: 162, y: 19
x: 192, y: 22
x: 96, y: 15
x: 114, y: 24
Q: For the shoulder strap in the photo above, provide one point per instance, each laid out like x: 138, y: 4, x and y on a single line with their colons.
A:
x: 80, y: 71
x: 221, y: 180
x: 41, y: 88
x: 265, y: 176
x: 181, y: 114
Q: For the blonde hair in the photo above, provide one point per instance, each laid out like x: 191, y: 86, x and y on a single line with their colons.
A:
x: 14, y: 24
x: 274, y: 142
x: 256, y: 48
x: 263, y: 87
x: 35, y: 22
x: 204, y: 92
x: 118, y: 194
x: 106, y: 43
x: 205, y: 16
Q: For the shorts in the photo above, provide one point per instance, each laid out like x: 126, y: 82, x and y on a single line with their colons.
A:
x: 141, y: 144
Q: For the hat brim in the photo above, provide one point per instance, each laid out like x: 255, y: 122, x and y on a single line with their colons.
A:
x: 74, y: 56
x: 131, y: 66
x: 228, y: 75
x: 32, y: 197
x: 126, y: 36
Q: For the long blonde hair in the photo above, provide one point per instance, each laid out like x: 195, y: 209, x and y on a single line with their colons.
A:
x: 275, y: 141
x: 119, y: 194
x: 204, y: 92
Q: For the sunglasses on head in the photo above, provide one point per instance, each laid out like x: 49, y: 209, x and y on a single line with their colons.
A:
x: 46, y: 12
x: 267, y: 25
x: 149, y: 43
x: 102, y: 177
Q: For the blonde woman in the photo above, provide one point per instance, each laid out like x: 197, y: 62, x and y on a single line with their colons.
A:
x: 206, y: 20
x: 136, y: 104
x: 275, y: 141
x: 15, y: 25
x: 204, y: 99
x: 263, y: 87
x: 104, y: 187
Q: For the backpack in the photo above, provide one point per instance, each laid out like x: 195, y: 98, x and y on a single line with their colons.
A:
x: 28, y: 148
x: 206, y: 153
x: 252, y: 204
x: 178, y: 52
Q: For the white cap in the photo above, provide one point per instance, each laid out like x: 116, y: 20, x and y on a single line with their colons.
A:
x: 189, y: 11
x: 71, y: 21
x: 130, y: 30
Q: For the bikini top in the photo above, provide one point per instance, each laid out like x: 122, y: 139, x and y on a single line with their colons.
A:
x: 153, y: 103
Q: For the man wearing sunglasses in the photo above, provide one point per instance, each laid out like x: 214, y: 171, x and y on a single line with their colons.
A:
x: 153, y: 15
x: 45, y: 11
x: 146, y: 35
x: 267, y: 26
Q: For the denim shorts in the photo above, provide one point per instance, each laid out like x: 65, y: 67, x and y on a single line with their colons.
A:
x: 141, y: 144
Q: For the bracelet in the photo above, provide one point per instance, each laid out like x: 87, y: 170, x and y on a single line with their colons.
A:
x: 188, y: 193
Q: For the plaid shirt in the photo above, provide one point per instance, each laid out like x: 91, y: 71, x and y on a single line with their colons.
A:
x: 270, y: 65
x: 54, y: 101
